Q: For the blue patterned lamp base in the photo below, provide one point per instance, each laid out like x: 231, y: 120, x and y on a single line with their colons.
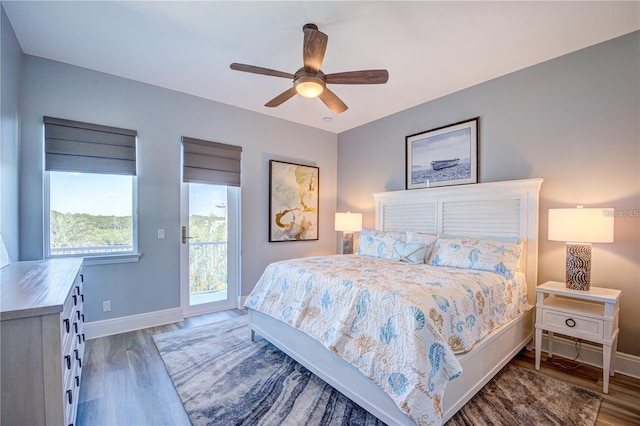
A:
x: 578, y: 266
x: 347, y: 243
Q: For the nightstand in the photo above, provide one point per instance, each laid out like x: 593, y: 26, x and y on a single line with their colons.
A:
x: 589, y: 315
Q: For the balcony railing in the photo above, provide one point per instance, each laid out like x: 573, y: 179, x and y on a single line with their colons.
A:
x: 207, y: 266
x: 77, y: 251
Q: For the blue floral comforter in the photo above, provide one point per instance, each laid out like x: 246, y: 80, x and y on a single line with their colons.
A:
x: 399, y: 324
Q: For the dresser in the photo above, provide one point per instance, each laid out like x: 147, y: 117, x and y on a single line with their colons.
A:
x: 42, y: 341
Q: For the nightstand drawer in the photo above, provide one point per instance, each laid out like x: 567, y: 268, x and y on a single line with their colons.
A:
x: 574, y: 325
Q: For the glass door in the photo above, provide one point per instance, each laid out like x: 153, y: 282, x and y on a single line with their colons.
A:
x: 209, y: 255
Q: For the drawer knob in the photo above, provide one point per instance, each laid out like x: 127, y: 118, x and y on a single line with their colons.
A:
x: 570, y: 322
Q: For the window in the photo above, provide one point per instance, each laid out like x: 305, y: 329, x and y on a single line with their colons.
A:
x: 90, y: 203
x: 90, y: 214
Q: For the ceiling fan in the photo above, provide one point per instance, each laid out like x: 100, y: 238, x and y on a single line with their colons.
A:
x: 309, y: 81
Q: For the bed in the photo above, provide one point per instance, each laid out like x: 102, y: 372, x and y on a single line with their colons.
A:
x: 494, y: 212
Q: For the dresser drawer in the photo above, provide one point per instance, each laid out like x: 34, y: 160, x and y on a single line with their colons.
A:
x: 574, y: 325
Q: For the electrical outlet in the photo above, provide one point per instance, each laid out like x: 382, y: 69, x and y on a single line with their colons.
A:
x: 160, y: 234
x: 106, y: 306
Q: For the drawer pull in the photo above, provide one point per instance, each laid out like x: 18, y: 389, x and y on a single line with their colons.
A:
x: 82, y: 317
x: 81, y: 277
x: 70, y: 396
x: 83, y: 338
x: 66, y: 324
x: 78, y: 315
x: 570, y: 322
x: 79, y: 339
x: 67, y: 359
x: 75, y: 300
x: 77, y: 381
x: 78, y: 290
x: 82, y: 297
x: 80, y: 363
x: 75, y: 327
x: 76, y: 353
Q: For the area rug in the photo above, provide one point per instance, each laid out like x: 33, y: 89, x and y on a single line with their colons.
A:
x: 223, y: 378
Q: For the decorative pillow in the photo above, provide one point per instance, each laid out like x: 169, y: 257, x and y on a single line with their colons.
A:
x: 379, y: 243
x: 410, y: 253
x: 485, y: 255
x: 425, y: 240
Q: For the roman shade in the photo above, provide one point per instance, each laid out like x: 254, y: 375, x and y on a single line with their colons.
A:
x: 210, y: 162
x: 72, y: 146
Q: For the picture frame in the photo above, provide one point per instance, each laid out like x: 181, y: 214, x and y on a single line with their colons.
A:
x: 294, y: 196
x: 443, y: 156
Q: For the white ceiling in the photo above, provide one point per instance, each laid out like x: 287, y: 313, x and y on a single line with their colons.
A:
x: 431, y: 49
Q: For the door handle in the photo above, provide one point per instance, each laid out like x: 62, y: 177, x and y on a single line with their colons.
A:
x: 184, y: 235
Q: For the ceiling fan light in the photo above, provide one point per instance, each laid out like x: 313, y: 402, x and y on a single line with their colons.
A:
x: 309, y: 89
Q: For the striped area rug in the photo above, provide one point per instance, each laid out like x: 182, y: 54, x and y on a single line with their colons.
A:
x: 224, y: 379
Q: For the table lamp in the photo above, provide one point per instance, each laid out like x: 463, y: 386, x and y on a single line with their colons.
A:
x: 579, y: 227
x: 348, y: 223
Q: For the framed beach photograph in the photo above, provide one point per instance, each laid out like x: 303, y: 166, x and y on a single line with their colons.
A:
x: 443, y: 156
x: 293, y: 201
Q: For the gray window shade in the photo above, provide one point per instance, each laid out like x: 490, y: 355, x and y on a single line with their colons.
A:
x: 211, y: 162
x: 72, y: 146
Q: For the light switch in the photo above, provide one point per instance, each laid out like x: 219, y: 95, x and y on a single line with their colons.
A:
x: 160, y: 234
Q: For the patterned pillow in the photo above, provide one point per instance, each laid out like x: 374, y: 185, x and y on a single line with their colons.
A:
x: 496, y: 256
x: 515, y: 240
x: 379, y: 243
x: 410, y: 253
x: 425, y: 240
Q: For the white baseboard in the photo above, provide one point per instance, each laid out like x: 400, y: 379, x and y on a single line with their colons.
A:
x: 110, y: 327
x: 626, y: 364
x: 241, y: 301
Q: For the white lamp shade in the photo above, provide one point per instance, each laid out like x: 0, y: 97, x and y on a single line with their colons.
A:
x: 349, y: 222
x: 581, y: 225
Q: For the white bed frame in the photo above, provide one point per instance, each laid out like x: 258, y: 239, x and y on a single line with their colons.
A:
x: 498, y: 209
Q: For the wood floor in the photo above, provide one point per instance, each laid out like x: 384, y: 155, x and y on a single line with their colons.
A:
x: 124, y: 381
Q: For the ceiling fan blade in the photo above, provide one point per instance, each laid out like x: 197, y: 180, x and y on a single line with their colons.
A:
x: 332, y: 101
x: 315, y: 44
x: 259, y: 70
x: 359, y: 77
x: 284, y: 96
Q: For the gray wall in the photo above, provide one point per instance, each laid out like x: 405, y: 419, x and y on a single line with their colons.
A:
x: 161, y: 117
x: 10, y: 74
x: 573, y: 121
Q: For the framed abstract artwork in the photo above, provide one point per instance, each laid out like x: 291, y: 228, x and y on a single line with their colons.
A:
x: 444, y: 156
x: 293, y: 201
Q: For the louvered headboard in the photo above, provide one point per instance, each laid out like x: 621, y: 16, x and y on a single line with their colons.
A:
x: 495, y: 209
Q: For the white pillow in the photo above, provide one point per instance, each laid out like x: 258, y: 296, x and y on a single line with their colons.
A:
x: 425, y: 240
x: 410, y: 253
x: 496, y: 256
